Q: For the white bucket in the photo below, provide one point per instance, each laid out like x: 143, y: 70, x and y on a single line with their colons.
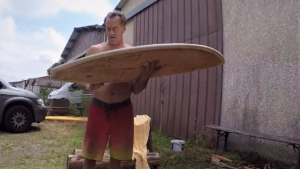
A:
x: 177, y: 145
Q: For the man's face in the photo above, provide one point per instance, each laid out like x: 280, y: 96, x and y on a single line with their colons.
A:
x: 114, y: 30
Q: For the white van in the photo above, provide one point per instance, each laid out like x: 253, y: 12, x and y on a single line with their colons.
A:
x: 67, y: 91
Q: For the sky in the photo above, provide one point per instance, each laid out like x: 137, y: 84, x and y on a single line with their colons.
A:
x: 34, y: 33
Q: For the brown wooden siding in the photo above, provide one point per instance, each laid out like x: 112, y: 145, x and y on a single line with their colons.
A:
x: 188, y: 101
x: 84, y: 41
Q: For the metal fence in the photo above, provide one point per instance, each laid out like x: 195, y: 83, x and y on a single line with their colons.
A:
x: 62, y: 107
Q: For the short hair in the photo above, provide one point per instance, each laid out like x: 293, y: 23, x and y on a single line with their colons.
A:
x: 114, y: 14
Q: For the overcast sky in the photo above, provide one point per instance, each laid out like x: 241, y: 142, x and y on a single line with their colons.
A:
x: 34, y: 32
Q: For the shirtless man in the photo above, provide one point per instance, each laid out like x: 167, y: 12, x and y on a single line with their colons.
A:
x: 111, y: 115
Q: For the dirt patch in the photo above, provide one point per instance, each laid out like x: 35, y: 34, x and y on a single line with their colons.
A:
x: 254, y: 160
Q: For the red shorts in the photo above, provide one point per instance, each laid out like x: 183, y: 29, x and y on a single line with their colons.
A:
x: 109, y: 121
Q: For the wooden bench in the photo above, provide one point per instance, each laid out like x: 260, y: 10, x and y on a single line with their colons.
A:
x: 223, y: 133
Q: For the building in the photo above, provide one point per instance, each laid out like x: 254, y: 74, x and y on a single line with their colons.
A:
x: 150, y: 22
x: 260, y: 90
x: 19, y: 84
x: 180, y: 105
x: 257, y: 90
x: 35, y: 84
x: 81, y: 39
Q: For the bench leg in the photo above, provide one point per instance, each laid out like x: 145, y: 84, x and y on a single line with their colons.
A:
x: 298, y: 158
x: 297, y: 152
x: 226, y: 137
x: 222, y: 134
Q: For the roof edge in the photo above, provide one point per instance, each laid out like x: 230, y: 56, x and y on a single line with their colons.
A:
x: 74, y: 35
x: 121, y: 4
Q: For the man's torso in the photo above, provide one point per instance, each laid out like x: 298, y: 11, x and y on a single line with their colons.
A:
x: 113, y: 92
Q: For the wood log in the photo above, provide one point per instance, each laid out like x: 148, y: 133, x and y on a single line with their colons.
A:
x: 221, y: 158
x: 245, y: 167
x: 77, y: 152
x: 267, y: 166
x: 218, y: 162
x: 75, y: 161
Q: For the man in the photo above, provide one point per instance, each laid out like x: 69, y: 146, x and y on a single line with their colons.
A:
x: 111, y: 114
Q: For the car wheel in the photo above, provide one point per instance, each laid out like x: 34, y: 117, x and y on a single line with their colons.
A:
x: 18, y: 119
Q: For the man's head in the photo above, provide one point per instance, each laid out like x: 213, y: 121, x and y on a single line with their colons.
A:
x: 115, y: 23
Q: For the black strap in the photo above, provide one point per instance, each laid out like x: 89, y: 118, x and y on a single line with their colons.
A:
x: 110, y: 106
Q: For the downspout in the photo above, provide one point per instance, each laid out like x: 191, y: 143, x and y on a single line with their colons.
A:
x: 162, y: 88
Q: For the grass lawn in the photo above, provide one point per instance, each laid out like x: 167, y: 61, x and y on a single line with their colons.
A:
x: 49, y: 143
x: 194, y: 156
x: 46, y: 146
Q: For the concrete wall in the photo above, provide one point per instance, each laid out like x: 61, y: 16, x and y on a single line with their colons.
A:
x: 262, y: 72
x: 128, y: 7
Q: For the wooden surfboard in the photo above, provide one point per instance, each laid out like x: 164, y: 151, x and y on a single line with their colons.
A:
x: 123, y: 65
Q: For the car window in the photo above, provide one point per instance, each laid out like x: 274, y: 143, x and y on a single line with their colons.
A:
x: 65, y: 87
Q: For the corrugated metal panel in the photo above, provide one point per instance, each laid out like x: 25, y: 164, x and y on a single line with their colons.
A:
x: 84, y: 41
x: 188, y: 102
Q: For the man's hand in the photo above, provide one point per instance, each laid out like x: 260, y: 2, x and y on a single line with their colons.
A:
x: 146, y: 72
x: 149, y: 69
x: 94, y: 86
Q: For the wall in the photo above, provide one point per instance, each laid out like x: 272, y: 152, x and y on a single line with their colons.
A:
x: 190, y: 101
x: 262, y: 73
x: 128, y: 35
x: 131, y: 4
x: 128, y: 7
x: 36, y: 89
x: 20, y: 84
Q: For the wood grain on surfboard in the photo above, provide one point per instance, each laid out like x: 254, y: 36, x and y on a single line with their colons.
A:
x: 123, y: 65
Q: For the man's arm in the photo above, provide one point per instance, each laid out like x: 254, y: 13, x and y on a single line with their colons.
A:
x: 92, y: 50
x: 139, y: 85
x: 147, y: 71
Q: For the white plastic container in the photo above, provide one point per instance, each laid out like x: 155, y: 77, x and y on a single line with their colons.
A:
x: 177, y: 145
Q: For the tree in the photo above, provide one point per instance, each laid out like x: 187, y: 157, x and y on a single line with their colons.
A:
x: 44, y: 92
x: 61, y: 61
